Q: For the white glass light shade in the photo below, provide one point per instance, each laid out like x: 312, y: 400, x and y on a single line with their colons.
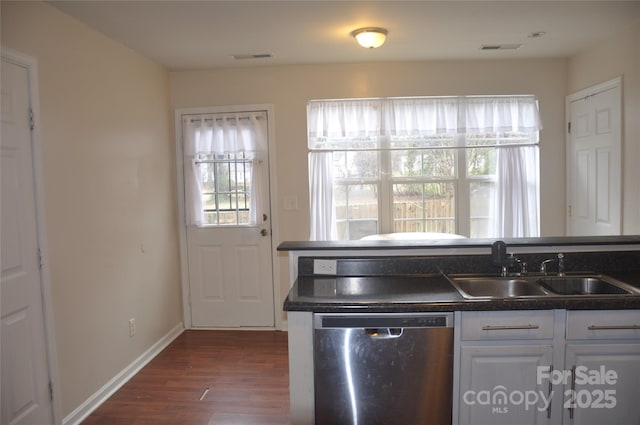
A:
x: 370, y: 37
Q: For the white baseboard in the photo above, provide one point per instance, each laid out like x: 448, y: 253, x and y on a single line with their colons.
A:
x: 107, y: 390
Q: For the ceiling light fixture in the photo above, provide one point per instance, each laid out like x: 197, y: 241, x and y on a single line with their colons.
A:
x: 370, y: 37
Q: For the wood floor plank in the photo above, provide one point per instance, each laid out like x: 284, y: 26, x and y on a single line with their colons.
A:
x: 246, y: 374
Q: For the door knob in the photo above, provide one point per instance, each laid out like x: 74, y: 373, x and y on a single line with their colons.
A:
x: 264, y: 217
x: 263, y: 232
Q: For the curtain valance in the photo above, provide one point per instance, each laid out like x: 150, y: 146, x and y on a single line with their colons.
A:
x: 348, y: 118
x: 334, y: 123
x: 224, y: 133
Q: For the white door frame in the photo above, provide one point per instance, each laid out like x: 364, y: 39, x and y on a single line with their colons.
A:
x: 273, y: 205
x: 31, y: 65
x: 614, y: 83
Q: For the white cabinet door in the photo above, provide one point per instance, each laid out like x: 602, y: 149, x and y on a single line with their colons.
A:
x: 498, y: 384
x: 603, y: 342
x: 589, y: 398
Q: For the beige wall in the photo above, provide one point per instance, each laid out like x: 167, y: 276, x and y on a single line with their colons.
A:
x: 289, y: 87
x: 110, y: 194
x: 618, y: 56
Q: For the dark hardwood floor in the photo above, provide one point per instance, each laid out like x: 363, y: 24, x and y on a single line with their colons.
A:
x: 246, y: 373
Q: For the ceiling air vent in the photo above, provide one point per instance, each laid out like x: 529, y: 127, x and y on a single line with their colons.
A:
x: 253, y: 56
x: 500, y: 46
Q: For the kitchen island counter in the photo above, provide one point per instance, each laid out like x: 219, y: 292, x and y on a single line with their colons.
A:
x: 387, y: 276
x: 430, y: 294
x: 374, y: 278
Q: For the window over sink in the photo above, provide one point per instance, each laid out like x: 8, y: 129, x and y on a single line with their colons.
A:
x: 452, y: 165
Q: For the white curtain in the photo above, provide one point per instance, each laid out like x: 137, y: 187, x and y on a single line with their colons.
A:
x: 363, y: 123
x: 227, y: 133
x: 332, y: 122
x: 323, y: 210
x: 421, y: 116
x: 499, y: 114
x: 515, y: 212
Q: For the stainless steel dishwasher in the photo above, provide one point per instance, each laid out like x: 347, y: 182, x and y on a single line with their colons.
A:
x: 391, y: 369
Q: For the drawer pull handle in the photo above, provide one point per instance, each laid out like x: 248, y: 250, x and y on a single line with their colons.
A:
x: 509, y: 327
x: 613, y: 327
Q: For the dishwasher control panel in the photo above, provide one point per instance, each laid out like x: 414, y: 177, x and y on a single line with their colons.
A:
x: 354, y: 320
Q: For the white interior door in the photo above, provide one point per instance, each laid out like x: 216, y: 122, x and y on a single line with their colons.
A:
x: 25, y: 372
x: 230, y: 257
x: 594, y: 175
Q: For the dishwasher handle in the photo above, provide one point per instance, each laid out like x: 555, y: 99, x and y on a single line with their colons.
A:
x: 384, y: 333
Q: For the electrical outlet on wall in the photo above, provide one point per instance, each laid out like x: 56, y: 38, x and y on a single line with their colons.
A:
x: 132, y: 326
x: 325, y: 267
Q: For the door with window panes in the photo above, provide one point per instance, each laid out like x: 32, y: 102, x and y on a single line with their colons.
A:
x: 226, y: 182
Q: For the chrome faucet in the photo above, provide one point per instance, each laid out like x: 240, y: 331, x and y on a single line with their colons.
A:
x: 543, y: 266
x: 560, y: 259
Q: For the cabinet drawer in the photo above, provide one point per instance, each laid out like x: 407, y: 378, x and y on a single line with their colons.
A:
x: 603, y: 324
x: 497, y: 325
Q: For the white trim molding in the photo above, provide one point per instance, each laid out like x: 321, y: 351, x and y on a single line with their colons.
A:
x: 115, y: 383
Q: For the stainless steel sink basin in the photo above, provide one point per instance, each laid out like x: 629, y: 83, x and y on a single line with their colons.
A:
x: 531, y: 286
x: 497, y: 287
x: 583, y: 285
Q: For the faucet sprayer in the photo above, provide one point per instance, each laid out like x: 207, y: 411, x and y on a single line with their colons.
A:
x: 560, y: 264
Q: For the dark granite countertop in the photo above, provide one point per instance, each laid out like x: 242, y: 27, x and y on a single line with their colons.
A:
x: 424, y: 293
x: 416, y: 283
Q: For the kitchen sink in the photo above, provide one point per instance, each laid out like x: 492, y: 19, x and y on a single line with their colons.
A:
x: 583, y: 285
x: 532, y: 286
x: 498, y: 287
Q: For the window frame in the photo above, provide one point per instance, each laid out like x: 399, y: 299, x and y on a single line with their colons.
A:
x: 461, y: 180
x: 430, y: 123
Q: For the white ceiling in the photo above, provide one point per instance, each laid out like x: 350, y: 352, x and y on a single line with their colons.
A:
x: 183, y: 34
